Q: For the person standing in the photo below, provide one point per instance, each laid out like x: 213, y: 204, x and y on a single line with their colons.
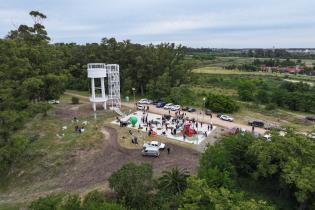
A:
x: 211, y: 125
x: 168, y: 150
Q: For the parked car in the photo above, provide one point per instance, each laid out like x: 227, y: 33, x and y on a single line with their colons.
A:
x: 311, y: 135
x: 155, y: 102
x: 208, y: 112
x: 310, y: 118
x: 123, y: 123
x: 144, y: 101
x: 267, y: 137
x: 185, y: 108
x: 168, y: 106
x: 160, y: 105
x: 54, y: 102
x: 157, y: 144
x: 256, y: 123
x: 175, y: 108
x: 140, y: 107
x: 151, y: 151
x: 219, y: 115
x: 226, y: 118
x: 190, y: 109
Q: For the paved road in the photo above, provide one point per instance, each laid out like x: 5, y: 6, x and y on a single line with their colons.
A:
x: 202, y: 118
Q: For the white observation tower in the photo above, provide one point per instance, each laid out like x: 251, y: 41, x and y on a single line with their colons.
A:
x: 98, y: 72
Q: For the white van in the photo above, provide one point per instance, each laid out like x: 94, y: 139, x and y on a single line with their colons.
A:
x: 151, y: 151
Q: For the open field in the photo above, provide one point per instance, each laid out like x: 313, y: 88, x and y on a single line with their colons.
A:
x: 224, y: 61
x: 221, y: 71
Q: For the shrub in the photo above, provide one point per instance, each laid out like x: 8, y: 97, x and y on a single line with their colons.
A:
x: 75, y: 100
x: 271, y: 107
x: 220, y: 103
x: 49, y: 202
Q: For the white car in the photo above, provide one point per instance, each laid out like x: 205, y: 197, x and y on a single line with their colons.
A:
x: 226, y: 118
x: 54, y: 102
x: 157, y: 144
x: 175, y: 108
x: 168, y: 106
x: 267, y: 137
x: 311, y: 135
x: 143, y: 101
x: 140, y: 107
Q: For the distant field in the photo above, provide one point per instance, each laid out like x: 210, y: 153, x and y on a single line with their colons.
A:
x: 222, y: 71
x: 225, y: 61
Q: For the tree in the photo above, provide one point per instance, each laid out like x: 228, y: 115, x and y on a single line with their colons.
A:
x: 262, y: 96
x: 132, y: 184
x: 216, y: 168
x: 199, y: 195
x: 246, y: 91
x: 221, y: 103
x: 288, y: 162
x: 174, y: 181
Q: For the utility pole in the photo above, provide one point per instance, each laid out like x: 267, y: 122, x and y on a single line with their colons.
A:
x: 204, y: 108
x: 134, y: 97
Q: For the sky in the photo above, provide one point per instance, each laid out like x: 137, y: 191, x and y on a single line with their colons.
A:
x: 193, y: 23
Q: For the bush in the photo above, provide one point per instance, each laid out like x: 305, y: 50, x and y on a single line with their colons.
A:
x: 75, y: 100
x: 271, y: 107
x: 220, y: 103
x: 49, y: 202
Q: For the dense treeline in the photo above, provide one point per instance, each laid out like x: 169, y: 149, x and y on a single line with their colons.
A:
x: 293, y: 96
x: 151, y: 69
x: 33, y: 71
x: 261, y: 90
x: 282, y: 169
x: 257, y: 53
x: 257, y: 63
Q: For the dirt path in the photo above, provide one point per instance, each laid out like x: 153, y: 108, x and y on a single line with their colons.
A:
x: 201, y: 117
x: 97, y: 168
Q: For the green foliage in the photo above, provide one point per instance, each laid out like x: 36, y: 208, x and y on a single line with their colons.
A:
x: 30, y: 74
x: 199, y: 195
x: 290, y: 161
x: 182, y: 95
x: 216, y: 168
x: 285, y: 164
x: 75, y: 100
x: 49, y: 202
x: 94, y: 200
x: 221, y: 103
x: 70, y: 202
x: 245, y: 91
x: 133, y: 184
x: 173, y: 181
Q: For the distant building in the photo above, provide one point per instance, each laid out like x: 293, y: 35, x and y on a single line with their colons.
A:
x: 289, y: 69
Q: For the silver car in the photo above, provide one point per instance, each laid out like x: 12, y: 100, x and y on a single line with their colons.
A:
x: 151, y: 151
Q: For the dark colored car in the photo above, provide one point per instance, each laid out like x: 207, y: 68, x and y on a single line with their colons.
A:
x: 310, y: 118
x: 256, y: 123
x: 208, y: 112
x: 190, y: 109
x: 160, y: 105
x: 185, y: 108
x: 155, y: 102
